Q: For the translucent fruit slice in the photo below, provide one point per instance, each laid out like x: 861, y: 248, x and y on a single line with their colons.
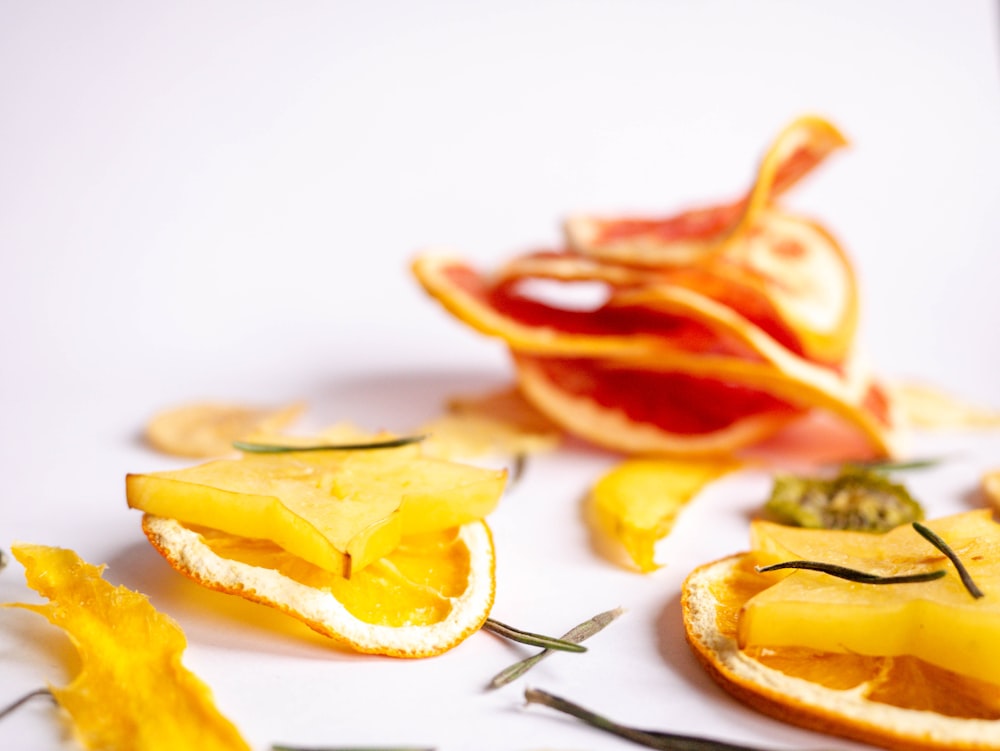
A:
x: 937, y: 621
x: 132, y: 692
x: 429, y: 594
x: 638, y: 501
x: 338, y: 510
x: 900, y: 702
x: 688, y: 237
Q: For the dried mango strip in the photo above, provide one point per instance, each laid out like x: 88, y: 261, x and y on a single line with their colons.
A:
x: 638, y: 501
x: 132, y: 692
x: 687, y: 237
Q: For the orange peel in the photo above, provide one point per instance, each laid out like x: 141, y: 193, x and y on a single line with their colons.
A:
x: 423, y: 599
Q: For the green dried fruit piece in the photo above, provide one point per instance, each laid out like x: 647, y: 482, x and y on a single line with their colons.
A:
x: 857, y: 499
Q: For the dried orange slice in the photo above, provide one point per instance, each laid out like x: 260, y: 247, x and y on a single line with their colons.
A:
x: 895, y: 701
x: 425, y: 597
x: 688, y: 237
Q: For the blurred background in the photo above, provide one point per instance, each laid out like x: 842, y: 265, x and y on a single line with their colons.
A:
x: 222, y: 199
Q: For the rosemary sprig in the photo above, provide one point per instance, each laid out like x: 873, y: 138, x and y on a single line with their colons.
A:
x: 352, y: 748
x: 576, y: 635
x: 934, y: 539
x: 273, y: 448
x: 851, y: 574
x: 526, y: 637
x: 890, y: 465
x: 18, y: 703
x: 647, y: 738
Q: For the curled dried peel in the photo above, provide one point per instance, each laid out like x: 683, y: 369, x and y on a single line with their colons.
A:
x: 690, y: 236
x: 427, y: 596
x: 132, y: 692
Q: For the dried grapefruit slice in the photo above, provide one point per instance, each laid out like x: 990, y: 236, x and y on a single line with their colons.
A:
x: 896, y: 702
x: 722, y: 405
x: 687, y: 237
x: 642, y: 412
x: 424, y: 598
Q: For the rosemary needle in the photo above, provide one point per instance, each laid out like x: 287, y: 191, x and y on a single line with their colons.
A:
x: 272, y: 448
x: 851, y: 574
x: 18, y: 703
x: 526, y: 637
x: 647, y: 738
x: 963, y: 573
x: 576, y: 634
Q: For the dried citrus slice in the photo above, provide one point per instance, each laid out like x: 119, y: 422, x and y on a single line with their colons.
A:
x: 422, y: 599
x: 638, y: 501
x: 208, y: 429
x: 132, y: 692
x: 991, y: 487
x: 688, y: 237
x: 896, y: 701
x: 636, y: 411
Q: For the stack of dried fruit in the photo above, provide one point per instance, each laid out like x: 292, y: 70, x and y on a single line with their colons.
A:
x: 719, y: 326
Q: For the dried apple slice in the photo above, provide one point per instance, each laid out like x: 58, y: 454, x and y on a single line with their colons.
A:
x: 687, y: 237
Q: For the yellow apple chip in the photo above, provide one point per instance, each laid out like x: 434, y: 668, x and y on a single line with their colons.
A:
x: 208, y: 429
x: 637, y: 502
x: 132, y: 692
x: 926, y: 406
x: 498, y: 422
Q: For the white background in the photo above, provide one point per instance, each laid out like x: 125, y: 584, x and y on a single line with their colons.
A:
x: 220, y: 200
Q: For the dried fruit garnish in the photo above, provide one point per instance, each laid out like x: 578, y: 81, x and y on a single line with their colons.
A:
x: 858, y: 498
x: 132, y: 692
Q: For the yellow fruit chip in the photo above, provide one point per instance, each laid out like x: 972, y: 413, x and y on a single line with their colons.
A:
x: 132, y: 692
x: 208, y: 429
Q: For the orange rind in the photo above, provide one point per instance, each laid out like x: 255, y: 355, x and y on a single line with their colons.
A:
x: 423, y: 599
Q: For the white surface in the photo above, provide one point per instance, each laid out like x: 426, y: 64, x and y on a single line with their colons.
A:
x: 220, y: 201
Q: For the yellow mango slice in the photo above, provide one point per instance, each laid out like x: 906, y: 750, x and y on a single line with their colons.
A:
x: 338, y: 510
x: 938, y: 621
x: 132, y: 692
x: 637, y: 502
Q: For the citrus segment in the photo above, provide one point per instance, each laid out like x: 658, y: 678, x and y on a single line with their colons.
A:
x: 638, y: 501
x: 132, y: 692
x: 422, y: 599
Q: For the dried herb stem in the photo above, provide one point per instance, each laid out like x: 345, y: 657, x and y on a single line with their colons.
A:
x: 851, y: 574
x: 18, y: 703
x: 576, y: 635
x: 352, y: 748
x: 526, y: 637
x: 272, y: 448
x: 647, y: 738
x: 934, y: 539
x: 889, y: 465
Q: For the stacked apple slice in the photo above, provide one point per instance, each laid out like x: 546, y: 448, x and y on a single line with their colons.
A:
x: 714, y: 329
